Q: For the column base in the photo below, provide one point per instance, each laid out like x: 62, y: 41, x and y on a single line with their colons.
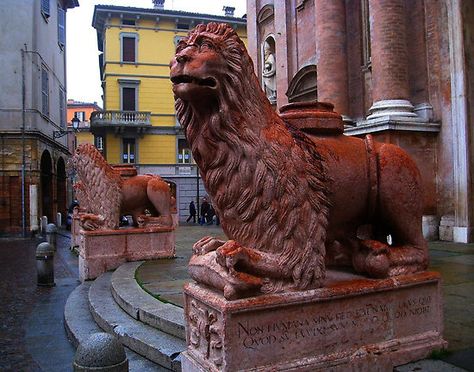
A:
x: 391, y: 107
x: 463, y: 234
x: 347, y: 120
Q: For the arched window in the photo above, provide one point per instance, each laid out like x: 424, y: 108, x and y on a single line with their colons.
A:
x: 303, y: 86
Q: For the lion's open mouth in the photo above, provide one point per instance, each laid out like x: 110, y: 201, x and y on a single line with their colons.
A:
x: 186, y: 79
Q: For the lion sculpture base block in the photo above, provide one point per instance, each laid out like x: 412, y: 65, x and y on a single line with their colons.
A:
x: 104, y: 250
x: 353, y: 323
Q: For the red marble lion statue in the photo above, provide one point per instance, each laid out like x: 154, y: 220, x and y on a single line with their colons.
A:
x: 106, y: 196
x: 291, y: 202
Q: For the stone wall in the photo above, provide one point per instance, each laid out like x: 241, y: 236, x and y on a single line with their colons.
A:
x: 401, y: 70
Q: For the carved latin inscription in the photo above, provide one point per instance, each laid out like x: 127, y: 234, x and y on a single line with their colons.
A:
x: 335, y: 327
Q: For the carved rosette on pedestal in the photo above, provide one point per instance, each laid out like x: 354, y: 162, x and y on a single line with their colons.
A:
x: 205, y: 332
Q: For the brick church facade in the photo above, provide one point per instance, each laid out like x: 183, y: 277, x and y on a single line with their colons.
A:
x: 401, y: 70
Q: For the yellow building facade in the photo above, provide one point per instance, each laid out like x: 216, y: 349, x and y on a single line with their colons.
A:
x: 138, y: 124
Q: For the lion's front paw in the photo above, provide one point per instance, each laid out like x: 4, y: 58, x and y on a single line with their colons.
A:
x: 206, y: 244
x: 233, y: 256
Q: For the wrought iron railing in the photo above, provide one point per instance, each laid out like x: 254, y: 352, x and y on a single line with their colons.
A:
x: 119, y: 118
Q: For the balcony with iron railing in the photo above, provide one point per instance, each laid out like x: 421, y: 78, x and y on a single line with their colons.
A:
x: 120, y: 119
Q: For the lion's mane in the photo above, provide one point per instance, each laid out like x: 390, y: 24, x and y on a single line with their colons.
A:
x: 100, y: 186
x: 267, y: 199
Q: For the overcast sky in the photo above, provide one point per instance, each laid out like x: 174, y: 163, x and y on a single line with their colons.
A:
x: 83, y: 80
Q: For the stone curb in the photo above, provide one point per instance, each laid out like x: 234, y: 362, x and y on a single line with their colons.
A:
x: 141, y: 305
x: 79, y: 325
x: 78, y: 320
x: 158, y: 346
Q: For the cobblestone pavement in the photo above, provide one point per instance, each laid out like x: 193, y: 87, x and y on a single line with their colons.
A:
x: 18, y: 292
x: 27, y: 310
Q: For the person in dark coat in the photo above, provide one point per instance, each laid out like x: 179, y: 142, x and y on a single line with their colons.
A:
x: 210, y: 215
x: 205, y: 206
x: 192, y: 212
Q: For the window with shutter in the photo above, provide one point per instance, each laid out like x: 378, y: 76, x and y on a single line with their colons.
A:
x: 61, y: 27
x: 128, y: 49
x: 128, y: 99
x: 62, y: 111
x: 45, y: 8
x: 44, y: 91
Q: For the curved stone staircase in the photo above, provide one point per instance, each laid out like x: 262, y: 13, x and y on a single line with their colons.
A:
x: 151, y: 331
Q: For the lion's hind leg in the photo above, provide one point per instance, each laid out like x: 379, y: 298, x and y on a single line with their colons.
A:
x: 159, y: 194
x: 400, y: 210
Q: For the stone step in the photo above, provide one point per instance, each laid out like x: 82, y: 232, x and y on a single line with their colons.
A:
x: 158, y: 346
x: 141, y: 305
x: 80, y: 325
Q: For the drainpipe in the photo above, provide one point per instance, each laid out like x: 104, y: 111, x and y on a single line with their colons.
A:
x: 23, y: 118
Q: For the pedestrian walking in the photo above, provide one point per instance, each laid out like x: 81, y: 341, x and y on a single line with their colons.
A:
x: 192, y: 212
x: 205, y: 206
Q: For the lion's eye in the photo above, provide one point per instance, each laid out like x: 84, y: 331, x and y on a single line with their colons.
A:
x: 206, y: 45
x: 181, y: 45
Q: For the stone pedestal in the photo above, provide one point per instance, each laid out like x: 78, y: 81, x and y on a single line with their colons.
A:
x: 353, y: 323
x: 104, y: 250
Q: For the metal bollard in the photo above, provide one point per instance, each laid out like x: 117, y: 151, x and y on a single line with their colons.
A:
x: 45, y: 264
x: 100, y: 352
x: 51, y: 234
x: 44, y: 223
x: 59, y: 220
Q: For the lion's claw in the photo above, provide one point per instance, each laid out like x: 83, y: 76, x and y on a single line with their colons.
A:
x: 206, y: 244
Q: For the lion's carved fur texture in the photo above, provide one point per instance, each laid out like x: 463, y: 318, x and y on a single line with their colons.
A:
x: 284, y: 196
x: 102, y: 192
x: 258, y: 197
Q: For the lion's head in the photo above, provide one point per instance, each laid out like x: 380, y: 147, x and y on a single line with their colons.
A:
x: 212, y: 72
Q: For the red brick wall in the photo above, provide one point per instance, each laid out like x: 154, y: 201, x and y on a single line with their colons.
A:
x: 389, y: 49
x: 417, y: 76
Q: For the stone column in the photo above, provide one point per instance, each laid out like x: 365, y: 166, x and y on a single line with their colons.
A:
x: 390, y: 90
x: 331, y: 54
x: 252, y: 32
x: 463, y: 230
x: 283, y: 55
